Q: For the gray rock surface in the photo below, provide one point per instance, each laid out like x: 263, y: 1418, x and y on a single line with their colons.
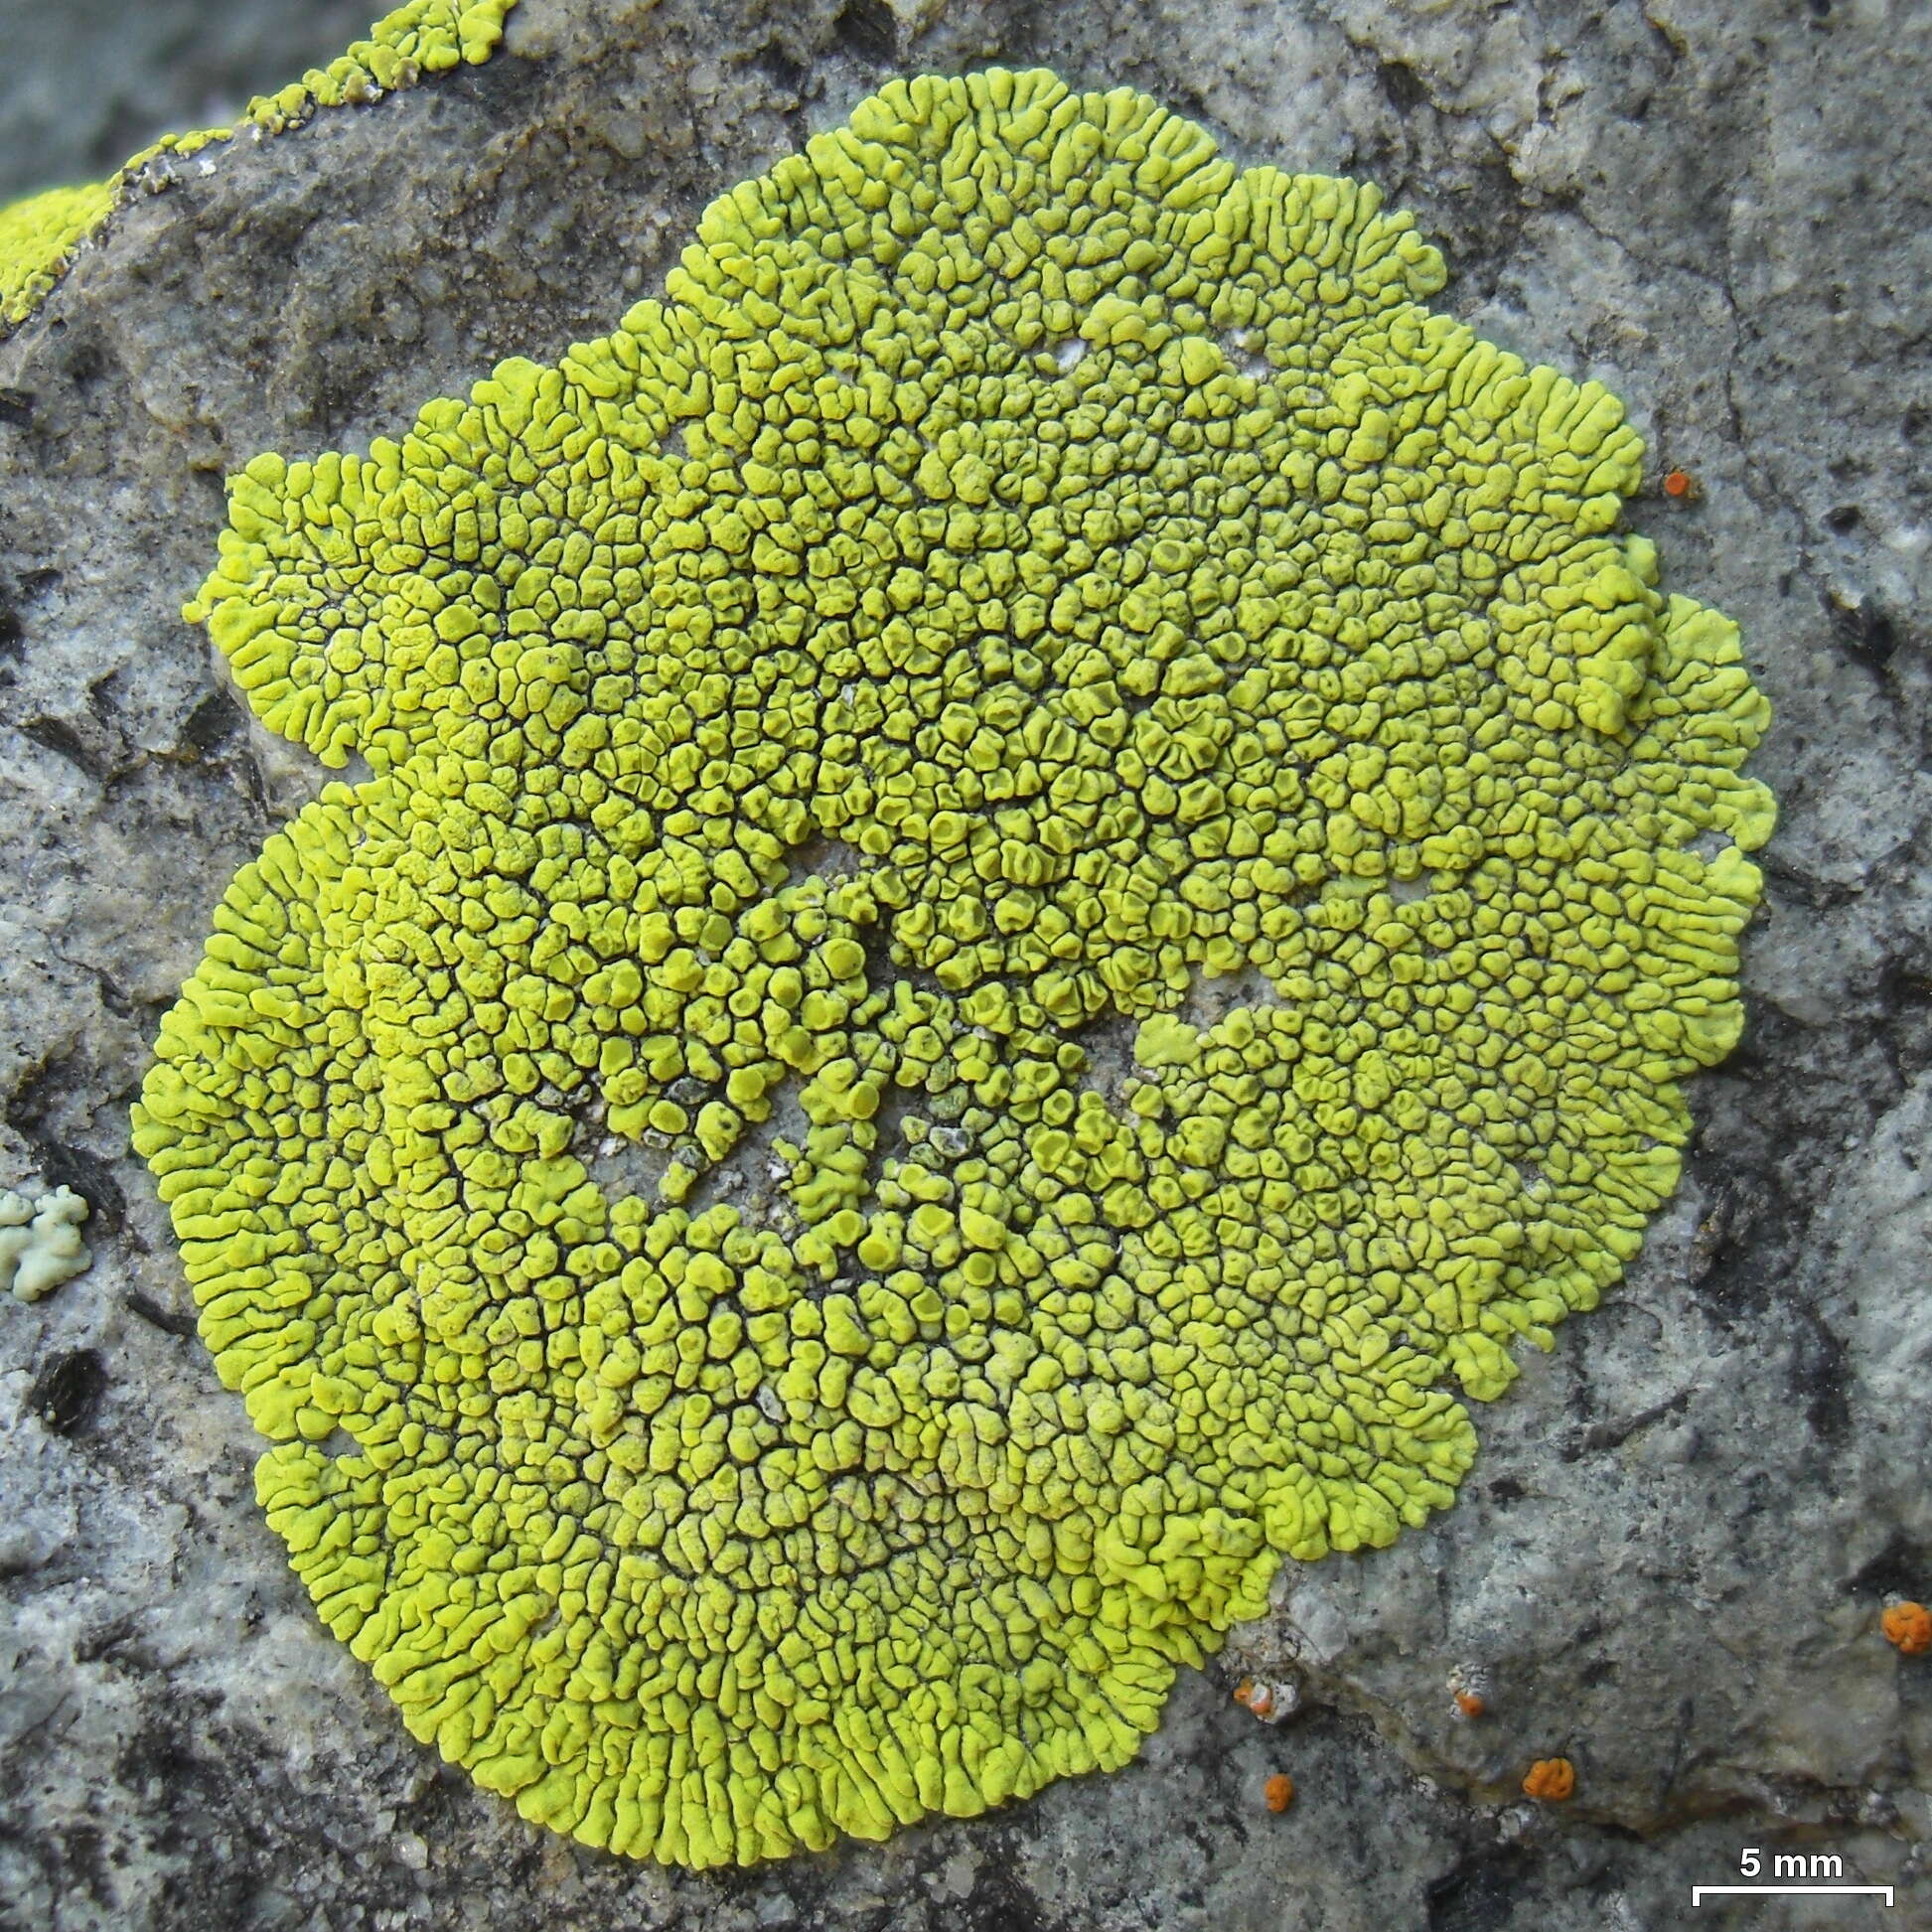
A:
x: 1671, y: 1556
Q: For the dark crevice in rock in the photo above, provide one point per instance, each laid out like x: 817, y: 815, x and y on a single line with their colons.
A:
x: 1819, y: 1376
x: 868, y: 31
x: 40, y: 1094
x: 1742, y: 1250
x: 60, y: 737
x: 88, y: 1175
x: 1864, y: 630
x: 1898, y: 1570
x: 210, y: 724
x: 1403, y: 88
x: 1479, y: 1892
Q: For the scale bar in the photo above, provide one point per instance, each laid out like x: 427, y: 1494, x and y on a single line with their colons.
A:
x: 1699, y: 1893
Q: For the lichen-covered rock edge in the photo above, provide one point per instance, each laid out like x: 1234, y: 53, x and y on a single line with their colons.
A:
x: 40, y: 233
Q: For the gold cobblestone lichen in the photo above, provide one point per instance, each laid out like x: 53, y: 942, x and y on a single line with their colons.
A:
x: 1025, y: 570
x: 39, y: 234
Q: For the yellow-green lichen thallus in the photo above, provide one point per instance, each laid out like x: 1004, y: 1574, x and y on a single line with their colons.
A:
x: 1105, y: 553
x: 39, y: 235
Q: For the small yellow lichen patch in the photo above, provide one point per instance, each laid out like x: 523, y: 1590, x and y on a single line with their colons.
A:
x: 1109, y: 559
x: 37, y: 236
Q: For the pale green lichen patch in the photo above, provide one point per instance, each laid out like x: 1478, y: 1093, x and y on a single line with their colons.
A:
x: 40, y: 1242
x: 712, y: 1530
x: 37, y: 236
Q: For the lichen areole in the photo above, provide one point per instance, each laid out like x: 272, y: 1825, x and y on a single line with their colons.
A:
x: 1025, y: 567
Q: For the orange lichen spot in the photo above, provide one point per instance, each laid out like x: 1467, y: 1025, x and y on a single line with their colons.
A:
x: 1552, y: 1779
x: 1278, y: 1790
x: 1681, y: 485
x: 1908, y: 1625
x: 1270, y: 1702
x: 1469, y: 1690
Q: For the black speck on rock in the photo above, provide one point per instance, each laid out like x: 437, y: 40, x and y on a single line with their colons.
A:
x: 1401, y: 87
x: 156, y: 1316
x: 1864, y: 630
x: 66, y: 1392
x: 999, y: 1903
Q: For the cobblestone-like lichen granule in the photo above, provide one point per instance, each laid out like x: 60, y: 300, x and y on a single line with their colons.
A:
x: 1026, y: 567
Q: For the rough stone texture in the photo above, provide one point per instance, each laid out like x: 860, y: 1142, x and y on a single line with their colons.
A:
x: 145, y: 70
x: 1671, y: 1556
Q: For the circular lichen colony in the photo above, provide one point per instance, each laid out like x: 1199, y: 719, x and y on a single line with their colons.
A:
x: 1027, y: 573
